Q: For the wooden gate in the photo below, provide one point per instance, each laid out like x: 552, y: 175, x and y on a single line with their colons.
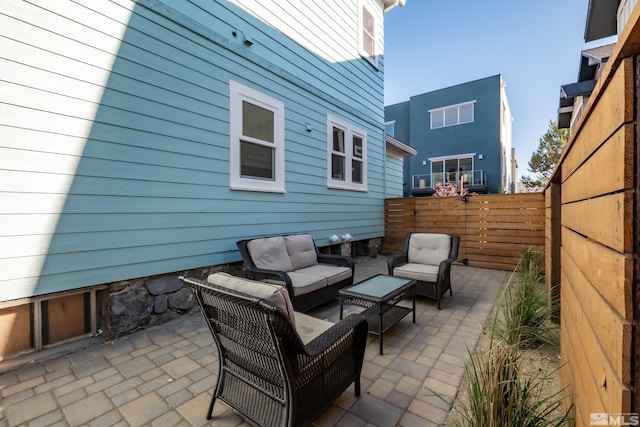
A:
x: 494, y: 229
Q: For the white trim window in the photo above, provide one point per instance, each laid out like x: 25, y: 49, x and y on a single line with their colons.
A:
x: 347, y: 155
x: 257, y: 140
x: 452, y: 115
x: 368, y: 42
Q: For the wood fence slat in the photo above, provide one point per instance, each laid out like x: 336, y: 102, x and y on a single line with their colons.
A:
x: 615, y: 157
x: 604, y: 219
x: 597, y: 262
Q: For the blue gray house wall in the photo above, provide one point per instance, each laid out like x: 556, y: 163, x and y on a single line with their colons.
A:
x: 114, y: 122
x: 485, y: 136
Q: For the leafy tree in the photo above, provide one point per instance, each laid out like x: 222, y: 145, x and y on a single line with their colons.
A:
x: 543, y: 160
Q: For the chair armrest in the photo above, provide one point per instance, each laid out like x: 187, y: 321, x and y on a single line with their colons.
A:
x: 341, y: 260
x: 255, y: 273
x: 395, y: 260
x: 354, y: 323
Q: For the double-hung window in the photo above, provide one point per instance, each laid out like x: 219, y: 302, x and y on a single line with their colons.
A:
x: 347, y: 155
x: 257, y: 140
x: 368, y: 40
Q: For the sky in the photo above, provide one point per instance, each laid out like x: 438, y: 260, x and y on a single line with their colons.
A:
x: 534, y: 44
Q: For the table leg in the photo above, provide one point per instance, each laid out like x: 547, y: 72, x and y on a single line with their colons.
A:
x: 381, y: 332
x: 341, y: 308
x: 414, y: 304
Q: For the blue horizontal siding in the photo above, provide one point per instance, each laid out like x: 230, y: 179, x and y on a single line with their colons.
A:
x: 148, y: 163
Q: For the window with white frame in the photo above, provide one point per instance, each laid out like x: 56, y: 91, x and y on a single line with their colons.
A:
x: 347, y: 155
x: 257, y: 140
x: 368, y: 41
x: 452, y: 115
x: 390, y: 128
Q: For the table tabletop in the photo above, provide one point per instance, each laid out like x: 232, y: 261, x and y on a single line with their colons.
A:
x: 380, y: 287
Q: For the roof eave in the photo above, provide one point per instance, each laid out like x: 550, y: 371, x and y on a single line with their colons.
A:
x: 601, y: 19
x: 390, y: 4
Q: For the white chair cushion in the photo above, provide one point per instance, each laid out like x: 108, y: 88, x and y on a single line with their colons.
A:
x: 270, y: 253
x: 309, y: 327
x: 275, y: 294
x: 301, y: 250
x: 422, y: 272
x: 429, y: 248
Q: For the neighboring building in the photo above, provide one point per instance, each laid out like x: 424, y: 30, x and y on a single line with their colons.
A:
x: 605, y: 18
x: 574, y: 96
x: 147, y: 137
x: 462, y: 135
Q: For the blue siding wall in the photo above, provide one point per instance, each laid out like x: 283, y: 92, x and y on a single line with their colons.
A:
x: 114, y: 155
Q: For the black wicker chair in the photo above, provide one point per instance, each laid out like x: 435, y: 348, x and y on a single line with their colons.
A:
x: 433, y: 278
x: 266, y: 372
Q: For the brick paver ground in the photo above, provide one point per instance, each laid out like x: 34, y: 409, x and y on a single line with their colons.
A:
x: 164, y: 375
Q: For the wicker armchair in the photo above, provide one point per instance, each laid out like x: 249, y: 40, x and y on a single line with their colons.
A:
x: 266, y: 372
x: 426, y: 258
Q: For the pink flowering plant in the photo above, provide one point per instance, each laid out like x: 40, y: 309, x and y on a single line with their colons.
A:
x: 449, y: 190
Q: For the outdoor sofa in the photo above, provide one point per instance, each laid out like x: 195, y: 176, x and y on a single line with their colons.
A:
x: 311, y: 277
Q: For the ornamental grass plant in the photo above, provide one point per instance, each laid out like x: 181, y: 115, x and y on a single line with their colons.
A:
x: 501, y: 391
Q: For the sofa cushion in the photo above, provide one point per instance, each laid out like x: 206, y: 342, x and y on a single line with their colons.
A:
x: 429, y: 248
x: 275, y: 294
x: 270, y: 253
x: 301, y: 250
x: 309, y: 327
x: 333, y: 273
x: 423, y: 272
x: 304, y: 283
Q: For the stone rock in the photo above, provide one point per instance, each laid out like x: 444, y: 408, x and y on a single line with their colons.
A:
x: 160, y: 304
x: 130, y: 310
x: 159, y: 319
x: 182, y: 299
x: 163, y: 284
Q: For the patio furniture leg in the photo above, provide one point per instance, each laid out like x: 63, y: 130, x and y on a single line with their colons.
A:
x: 414, y: 305
x: 381, y: 332
x: 210, y: 410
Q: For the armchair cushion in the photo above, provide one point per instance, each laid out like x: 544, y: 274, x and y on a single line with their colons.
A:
x: 301, y: 250
x: 270, y: 253
x: 275, y: 294
x: 422, y: 272
x: 429, y: 248
x: 308, y: 328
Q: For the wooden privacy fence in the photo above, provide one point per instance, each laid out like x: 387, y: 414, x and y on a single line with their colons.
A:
x: 494, y: 229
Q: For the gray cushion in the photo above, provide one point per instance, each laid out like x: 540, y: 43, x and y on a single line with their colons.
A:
x: 301, y: 250
x: 333, y: 273
x: 429, y: 248
x: 309, y: 327
x: 423, y: 272
x: 275, y: 294
x: 304, y: 283
x: 270, y: 253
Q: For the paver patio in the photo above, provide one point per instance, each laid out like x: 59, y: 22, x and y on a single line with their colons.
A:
x: 164, y: 375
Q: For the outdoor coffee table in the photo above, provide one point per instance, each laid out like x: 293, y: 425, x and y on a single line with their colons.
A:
x: 380, y: 295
